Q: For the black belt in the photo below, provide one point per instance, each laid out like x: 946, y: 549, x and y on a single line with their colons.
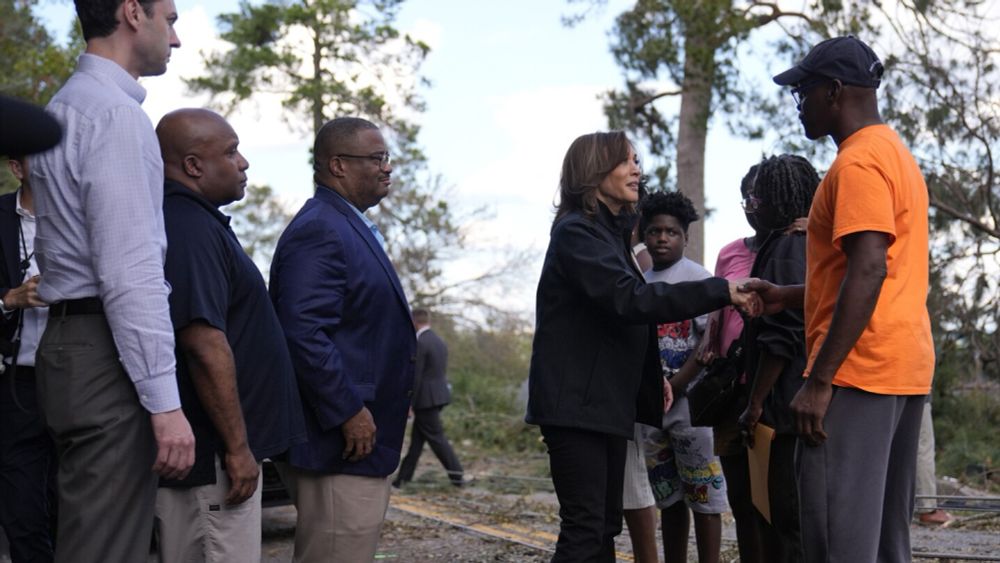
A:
x: 84, y: 306
x: 25, y: 371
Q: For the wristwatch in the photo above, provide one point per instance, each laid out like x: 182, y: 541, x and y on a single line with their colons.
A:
x: 4, y: 308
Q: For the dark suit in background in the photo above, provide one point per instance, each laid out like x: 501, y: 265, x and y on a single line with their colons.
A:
x: 431, y: 393
x: 11, y: 275
x: 27, y: 454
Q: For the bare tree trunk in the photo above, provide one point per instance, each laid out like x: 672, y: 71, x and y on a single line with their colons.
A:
x: 692, y: 131
x: 317, y: 103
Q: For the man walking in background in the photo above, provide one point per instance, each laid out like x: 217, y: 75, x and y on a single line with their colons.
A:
x: 105, y: 365
x: 431, y: 392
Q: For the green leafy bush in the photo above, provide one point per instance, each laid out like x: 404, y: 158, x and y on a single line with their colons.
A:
x: 486, y: 368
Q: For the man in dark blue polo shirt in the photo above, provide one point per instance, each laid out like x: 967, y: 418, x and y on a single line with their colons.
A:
x: 234, y: 372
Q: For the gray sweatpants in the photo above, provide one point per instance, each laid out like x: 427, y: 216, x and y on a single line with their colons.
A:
x: 856, y: 489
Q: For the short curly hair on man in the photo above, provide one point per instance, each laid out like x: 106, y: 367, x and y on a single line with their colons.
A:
x: 674, y: 204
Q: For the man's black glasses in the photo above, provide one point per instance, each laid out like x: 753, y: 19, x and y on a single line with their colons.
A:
x: 800, y: 90
x: 384, y: 159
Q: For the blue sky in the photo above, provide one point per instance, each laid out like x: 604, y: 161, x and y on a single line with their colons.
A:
x: 511, y: 88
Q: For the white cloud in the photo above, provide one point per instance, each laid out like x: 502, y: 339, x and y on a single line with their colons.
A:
x: 534, y: 127
x: 517, y: 176
x: 428, y: 31
x: 259, y: 123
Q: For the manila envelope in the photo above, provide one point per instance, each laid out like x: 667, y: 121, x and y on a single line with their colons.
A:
x: 758, y: 457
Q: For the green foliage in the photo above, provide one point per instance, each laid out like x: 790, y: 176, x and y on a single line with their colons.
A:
x: 34, y: 64
x: 486, y: 369
x: 328, y: 58
x: 684, y: 44
x: 939, y: 96
x: 421, y: 231
x: 939, y: 93
x: 325, y: 58
x: 965, y: 434
x: 693, y: 47
x: 966, y: 409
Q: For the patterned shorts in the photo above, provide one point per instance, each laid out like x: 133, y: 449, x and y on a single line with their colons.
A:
x: 681, y: 464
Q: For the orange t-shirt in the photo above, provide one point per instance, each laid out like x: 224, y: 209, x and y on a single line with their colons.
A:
x: 874, y: 185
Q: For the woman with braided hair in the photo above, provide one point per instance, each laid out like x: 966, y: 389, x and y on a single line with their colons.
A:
x: 781, y: 192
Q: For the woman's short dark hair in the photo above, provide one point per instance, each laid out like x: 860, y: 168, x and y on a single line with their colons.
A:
x: 588, y: 161
x: 786, y: 183
x: 97, y: 17
x: 675, y: 204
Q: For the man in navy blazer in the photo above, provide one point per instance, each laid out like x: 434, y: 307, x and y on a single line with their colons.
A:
x: 348, y: 327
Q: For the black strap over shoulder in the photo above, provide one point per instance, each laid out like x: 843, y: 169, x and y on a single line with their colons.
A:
x: 715, y: 392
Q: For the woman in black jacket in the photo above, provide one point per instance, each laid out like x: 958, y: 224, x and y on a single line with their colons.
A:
x: 595, y: 370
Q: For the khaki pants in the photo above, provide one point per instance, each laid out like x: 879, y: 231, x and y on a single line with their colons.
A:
x: 196, y: 526
x: 339, y: 516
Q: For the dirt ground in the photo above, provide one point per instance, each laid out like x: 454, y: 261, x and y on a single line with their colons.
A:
x: 509, y: 514
x: 430, y: 521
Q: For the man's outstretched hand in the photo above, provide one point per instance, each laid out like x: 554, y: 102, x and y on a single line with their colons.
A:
x: 771, y: 297
x: 745, y: 300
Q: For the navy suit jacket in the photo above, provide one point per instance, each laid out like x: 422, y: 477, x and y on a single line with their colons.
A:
x: 10, y: 258
x: 349, y: 331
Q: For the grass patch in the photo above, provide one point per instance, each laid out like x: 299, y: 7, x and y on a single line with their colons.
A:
x: 965, y: 424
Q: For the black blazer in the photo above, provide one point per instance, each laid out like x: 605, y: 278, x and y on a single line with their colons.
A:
x: 10, y: 258
x: 594, y: 360
x: 430, y: 384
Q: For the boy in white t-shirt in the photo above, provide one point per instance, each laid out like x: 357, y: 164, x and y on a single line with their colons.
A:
x: 683, y: 470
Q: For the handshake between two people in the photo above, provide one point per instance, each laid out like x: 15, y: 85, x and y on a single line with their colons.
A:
x: 755, y: 297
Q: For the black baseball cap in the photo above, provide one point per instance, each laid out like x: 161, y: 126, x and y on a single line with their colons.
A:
x: 847, y: 59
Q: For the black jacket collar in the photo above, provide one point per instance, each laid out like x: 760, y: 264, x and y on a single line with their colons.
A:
x: 621, y: 224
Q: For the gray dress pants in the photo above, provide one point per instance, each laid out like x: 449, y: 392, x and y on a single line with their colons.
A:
x: 104, y: 440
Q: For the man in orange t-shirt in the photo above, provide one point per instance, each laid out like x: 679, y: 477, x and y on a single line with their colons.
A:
x: 871, y: 356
